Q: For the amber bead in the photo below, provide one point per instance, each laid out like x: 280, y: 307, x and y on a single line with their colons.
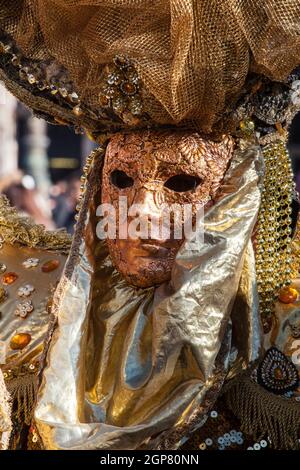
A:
x: 288, y: 295
x: 20, y: 341
x: 9, y: 278
x: 128, y: 88
x: 50, y: 266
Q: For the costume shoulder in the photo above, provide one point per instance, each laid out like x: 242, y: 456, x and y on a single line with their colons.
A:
x: 31, y: 264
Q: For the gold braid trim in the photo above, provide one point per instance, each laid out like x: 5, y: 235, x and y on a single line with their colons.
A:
x: 263, y: 414
x: 17, y: 228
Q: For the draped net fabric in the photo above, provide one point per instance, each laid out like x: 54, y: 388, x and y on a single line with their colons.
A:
x: 192, y: 55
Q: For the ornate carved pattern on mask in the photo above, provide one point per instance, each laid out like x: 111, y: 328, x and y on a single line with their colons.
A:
x: 154, y: 163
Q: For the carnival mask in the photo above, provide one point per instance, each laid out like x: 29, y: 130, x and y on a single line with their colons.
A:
x: 151, y: 171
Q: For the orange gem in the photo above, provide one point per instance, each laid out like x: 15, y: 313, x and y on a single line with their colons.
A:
x: 50, y: 266
x: 20, y: 341
x: 9, y: 278
x: 288, y: 295
x: 278, y: 373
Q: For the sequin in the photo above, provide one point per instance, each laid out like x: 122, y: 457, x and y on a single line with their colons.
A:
x: 288, y: 295
x: 31, y: 263
x: 263, y: 443
x: 208, y: 441
x: 202, y: 446
x: 256, y: 446
x: 9, y: 278
x: 20, y: 341
x: 213, y: 414
x: 50, y: 266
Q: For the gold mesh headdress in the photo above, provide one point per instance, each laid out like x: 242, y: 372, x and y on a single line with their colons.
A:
x: 183, y: 62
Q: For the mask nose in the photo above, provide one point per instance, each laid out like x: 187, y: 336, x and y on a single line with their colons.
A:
x: 147, y: 205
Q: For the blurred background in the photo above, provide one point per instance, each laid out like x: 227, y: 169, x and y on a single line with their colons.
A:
x: 41, y: 164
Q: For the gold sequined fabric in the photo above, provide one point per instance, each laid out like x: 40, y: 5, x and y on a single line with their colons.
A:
x: 192, y: 56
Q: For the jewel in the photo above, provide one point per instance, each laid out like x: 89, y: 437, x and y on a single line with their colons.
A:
x: 247, y: 126
x: 113, y: 79
x: 15, y: 60
x: 50, y: 266
x: 63, y: 92
x: 53, y: 89
x: 9, y: 278
x: 23, y: 309
x: 121, y: 62
x: 4, y: 48
x: 136, y: 107
x: 276, y: 373
x: 104, y: 101
x: 41, y: 85
x: 31, y: 366
x: 30, y: 263
x: 31, y: 79
x: 3, y: 294
x: 288, y: 295
x: 74, y: 97
x: 26, y: 290
x: 77, y: 111
x: 2, y: 268
x: 20, y: 341
x: 118, y: 104
x: 128, y: 88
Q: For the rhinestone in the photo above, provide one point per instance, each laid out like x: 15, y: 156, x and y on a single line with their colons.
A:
x: 77, y: 111
x: 2, y: 268
x: 31, y: 79
x: 41, y: 85
x: 20, y: 341
x: 63, y: 92
x: 53, y: 89
x: 23, y: 309
x: 74, y: 97
x: 15, y: 60
x: 50, y: 266
x: 9, y: 278
x: 26, y: 290
x: 30, y: 263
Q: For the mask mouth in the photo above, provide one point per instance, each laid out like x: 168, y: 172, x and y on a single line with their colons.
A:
x: 155, y: 250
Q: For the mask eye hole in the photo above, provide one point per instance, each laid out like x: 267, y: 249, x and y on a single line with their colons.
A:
x: 120, y: 179
x: 182, y: 183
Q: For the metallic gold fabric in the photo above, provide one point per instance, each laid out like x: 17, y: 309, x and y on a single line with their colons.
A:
x: 125, y: 364
x: 37, y: 322
x: 192, y: 55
